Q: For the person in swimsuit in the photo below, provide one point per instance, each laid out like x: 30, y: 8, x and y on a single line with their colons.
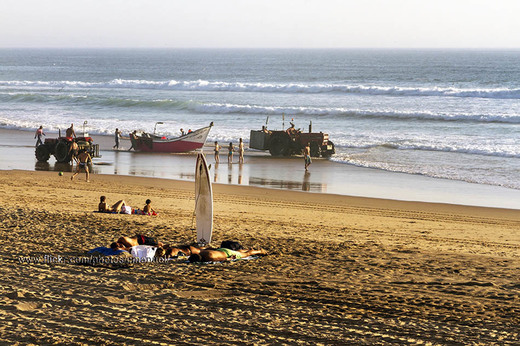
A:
x: 147, y: 209
x: 241, y: 151
x: 231, y: 148
x: 126, y: 243
x: 73, y: 150
x: 307, y: 156
x: 223, y: 254
x: 83, y: 160
x: 217, y: 150
x: 103, y: 207
x: 70, y: 131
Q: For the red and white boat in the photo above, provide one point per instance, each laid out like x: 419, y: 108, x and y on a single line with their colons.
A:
x: 147, y: 142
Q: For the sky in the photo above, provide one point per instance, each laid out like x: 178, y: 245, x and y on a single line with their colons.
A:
x: 260, y: 23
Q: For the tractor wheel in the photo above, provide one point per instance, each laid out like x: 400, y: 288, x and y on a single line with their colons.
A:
x: 279, y: 146
x: 328, y: 153
x: 315, y: 150
x: 42, y: 153
x: 61, y: 152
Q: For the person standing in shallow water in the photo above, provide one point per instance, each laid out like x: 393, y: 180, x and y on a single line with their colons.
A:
x: 241, y: 151
x: 39, y: 133
x: 307, y: 156
x: 117, y: 136
x: 217, y: 150
x: 231, y: 148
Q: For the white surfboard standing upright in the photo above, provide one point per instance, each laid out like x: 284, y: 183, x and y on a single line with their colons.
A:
x: 203, y: 201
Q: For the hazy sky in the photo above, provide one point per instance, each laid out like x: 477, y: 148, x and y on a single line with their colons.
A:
x: 260, y: 23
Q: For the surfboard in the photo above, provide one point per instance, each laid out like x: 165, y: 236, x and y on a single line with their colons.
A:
x: 203, y: 201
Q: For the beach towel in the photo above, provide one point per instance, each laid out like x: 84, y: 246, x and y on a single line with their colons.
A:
x: 106, y: 251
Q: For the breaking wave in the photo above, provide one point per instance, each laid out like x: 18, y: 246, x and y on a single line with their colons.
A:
x: 204, y: 85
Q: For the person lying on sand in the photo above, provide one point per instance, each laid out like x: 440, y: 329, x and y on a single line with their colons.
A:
x: 223, y: 254
x: 103, y: 207
x: 202, y: 254
x: 125, y: 243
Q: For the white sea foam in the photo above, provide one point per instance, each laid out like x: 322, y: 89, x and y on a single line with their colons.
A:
x: 204, y: 85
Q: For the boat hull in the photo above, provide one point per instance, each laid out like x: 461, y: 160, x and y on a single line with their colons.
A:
x: 155, y: 144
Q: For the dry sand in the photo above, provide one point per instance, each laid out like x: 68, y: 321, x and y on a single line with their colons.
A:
x: 341, y: 270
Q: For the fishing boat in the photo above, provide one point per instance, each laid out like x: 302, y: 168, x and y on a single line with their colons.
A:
x: 148, y: 142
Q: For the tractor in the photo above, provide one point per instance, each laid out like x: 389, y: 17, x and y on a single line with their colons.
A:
x: 291, y: 142
x: 61, y: 148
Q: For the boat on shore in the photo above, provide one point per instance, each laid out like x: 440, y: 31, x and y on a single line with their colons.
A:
x: 148, y: 142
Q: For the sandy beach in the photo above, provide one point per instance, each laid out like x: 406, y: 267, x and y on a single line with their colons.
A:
x: 341, y: 269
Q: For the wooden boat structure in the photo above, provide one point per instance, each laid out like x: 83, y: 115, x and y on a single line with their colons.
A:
x: 148, y: 142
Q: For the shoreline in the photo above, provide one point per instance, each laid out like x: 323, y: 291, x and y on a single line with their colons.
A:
x: 265, y: 171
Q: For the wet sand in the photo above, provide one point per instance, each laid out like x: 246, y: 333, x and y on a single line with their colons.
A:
x: 341, y: 270
x: 260, y: 169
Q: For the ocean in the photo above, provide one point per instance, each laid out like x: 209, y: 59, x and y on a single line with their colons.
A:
x: 450, y: 114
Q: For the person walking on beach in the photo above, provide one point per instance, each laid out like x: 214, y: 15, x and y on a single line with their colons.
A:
x: 39, y: 133
x: 241, y: 151
x: 307, y: 156
x: 217, y: 150
x: 83, y: 160
x: 117, y: 136
x: 231, y: 148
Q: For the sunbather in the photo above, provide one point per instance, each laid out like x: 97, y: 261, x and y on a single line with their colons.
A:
x: 103, y: 207
x: 223, y: 254
x: 125, y: 243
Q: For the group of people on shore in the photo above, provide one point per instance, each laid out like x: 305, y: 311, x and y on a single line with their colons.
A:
x: 228, y: 250
x: 230, y: 150
x: 120, y: 207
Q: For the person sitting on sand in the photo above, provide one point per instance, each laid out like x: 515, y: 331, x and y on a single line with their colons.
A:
x: 83, y: 160
x: 147, y: 209
x: 125, y: 243
x: 223, y: 254
x: 103, y: 207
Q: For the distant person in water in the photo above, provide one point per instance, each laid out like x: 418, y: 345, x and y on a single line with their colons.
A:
x: 217, y: 151
x: 307, y: 156
x: 39, y: 133
x: 103, y: 207
x: 241, y: 151
x: 83, y: 160
x: 70, y: 131
x: 117, y: 137
x: 231, y: 148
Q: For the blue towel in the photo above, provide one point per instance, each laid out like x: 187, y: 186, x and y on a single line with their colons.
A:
x: 106, y: 251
